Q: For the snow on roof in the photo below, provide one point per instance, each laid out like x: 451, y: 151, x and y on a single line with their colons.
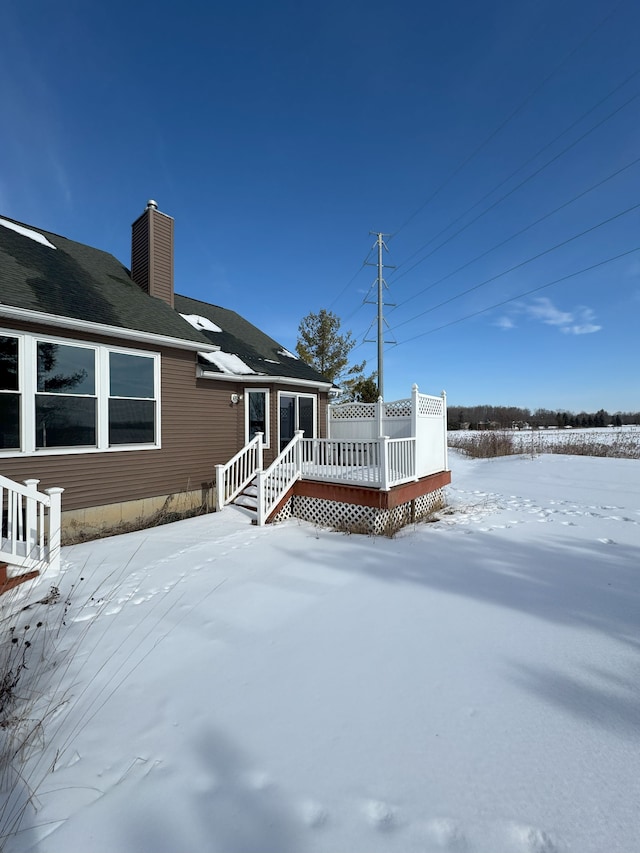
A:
x: 201, y: 323
x: 27, y: 232
x: 227, y: 362
x: 286, y: 352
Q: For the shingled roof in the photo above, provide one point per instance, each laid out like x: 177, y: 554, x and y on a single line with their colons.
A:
x: 76, y: 281
x: 250, y: 350
x: 46, y: 273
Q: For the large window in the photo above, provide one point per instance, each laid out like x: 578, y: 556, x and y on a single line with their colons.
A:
x: 257, y: 414
x: 59, y: 395
x: 9, y: 394
x: 65, y: 404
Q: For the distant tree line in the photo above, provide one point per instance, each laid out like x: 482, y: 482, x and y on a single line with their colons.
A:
x: 508, y: 417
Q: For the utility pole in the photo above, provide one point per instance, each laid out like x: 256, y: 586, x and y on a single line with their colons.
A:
x: 381, y: 284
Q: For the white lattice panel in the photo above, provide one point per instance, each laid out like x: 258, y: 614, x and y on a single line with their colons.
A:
x: 284, y: 513
x: 353, y: 410
x: 429, y: 405
x: 361, y: 519
x: 398, y: 409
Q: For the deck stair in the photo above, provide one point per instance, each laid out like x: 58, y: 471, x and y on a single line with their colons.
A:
x: 248, y: 497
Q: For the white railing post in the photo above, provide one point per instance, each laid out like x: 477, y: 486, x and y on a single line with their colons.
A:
x: 261, y: 498
x: 298, y: 451
x: 444, y: 431
x: 259, y: 456
x: 220, y: 478
x: 379, y: 404
x: 384, y: 468
x: 31, y: 513
x: 414, y: 410
x: 55, y: 522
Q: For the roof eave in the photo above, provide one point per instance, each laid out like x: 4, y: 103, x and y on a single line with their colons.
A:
x: 30, y: 316
x: 262, y: 377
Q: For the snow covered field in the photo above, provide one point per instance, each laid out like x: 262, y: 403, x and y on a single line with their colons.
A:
x: 471, y: 685
x: 623, y: 441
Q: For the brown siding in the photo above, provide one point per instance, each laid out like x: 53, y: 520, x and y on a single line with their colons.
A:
x: 201, y: 427
x: 199, y: 430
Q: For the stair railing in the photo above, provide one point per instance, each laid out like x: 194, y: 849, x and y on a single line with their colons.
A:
x: 239, y: 471
x: 275, y: 482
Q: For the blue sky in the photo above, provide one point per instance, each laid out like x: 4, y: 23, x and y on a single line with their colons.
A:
x: 278, y: 135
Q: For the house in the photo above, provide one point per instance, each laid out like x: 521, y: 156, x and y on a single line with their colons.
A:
x: 124, y: 393
x: 139, y: 402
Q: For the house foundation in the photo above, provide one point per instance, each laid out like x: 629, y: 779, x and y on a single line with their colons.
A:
x: 93, y: 522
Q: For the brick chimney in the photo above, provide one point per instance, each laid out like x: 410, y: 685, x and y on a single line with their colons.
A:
x: 152, y: 253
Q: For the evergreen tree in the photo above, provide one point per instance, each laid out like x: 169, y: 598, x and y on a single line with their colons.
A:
x: 321, y: 344
x: 364, y: 389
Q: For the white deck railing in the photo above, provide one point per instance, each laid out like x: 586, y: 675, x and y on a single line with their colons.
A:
x: 276, y: 481
x: 379, y: 463
x: 30, y: 525
x: 239, y: 471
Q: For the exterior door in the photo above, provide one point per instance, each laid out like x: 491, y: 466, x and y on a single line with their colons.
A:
x: 296, y: 411
x: 287, y: 419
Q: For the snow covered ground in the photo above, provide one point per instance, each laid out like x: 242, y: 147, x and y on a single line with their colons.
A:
x: 471, y: 685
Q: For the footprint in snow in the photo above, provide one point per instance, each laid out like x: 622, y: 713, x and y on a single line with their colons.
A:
x: 530, y: 839
x: 447, y: 834
x: 313, y: 814
x: 380, y: 815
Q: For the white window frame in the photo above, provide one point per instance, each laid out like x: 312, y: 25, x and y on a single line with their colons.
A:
x: 10, y: 451
x: 266, y: 439
x: 28, y: 388
x: 297, y: 395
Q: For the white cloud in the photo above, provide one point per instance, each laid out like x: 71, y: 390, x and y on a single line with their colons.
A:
x: 583, y: 324
x: 577, y: 322
x: 544, y: 310
x: 505, y: 323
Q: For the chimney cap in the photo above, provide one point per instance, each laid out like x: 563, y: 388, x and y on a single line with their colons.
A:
x: 151, y: 204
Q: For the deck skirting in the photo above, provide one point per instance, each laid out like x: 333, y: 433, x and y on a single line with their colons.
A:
x: 362, y: 510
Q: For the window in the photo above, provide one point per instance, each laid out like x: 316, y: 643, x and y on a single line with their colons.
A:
x: 65, y: 404
x: 257, y: 414
x: 296, y: 411
x: 9, y: 394
x: 131, y: 399
x: 59, y: 395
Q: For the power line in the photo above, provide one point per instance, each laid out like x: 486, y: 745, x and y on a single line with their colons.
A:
x: 506, y: 121
x: 520, y: 295
x: 521, y: 231
x: 514, y: 189
x: 518, y: 266
x: 521, y: 167
x: 353, y: 277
